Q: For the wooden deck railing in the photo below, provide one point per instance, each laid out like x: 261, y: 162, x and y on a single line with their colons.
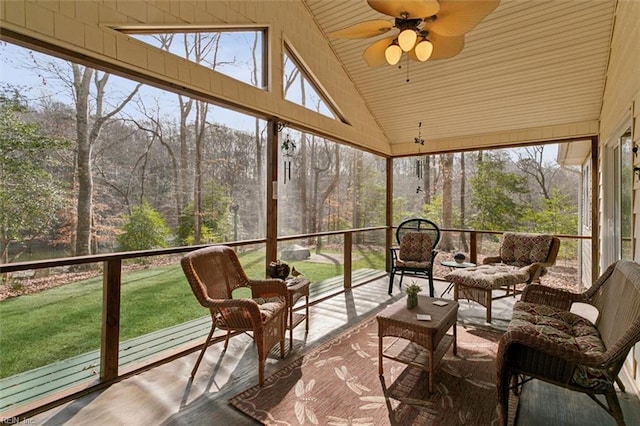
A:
x: 112, y: 281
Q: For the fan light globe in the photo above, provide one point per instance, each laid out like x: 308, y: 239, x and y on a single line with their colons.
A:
x: 392, y: 54
x: 423, y: 50
x: 407, y: 39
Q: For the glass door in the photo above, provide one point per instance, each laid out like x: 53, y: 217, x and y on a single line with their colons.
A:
x: 626, y: 196
x: 617, y: 242
x: 617, y: 198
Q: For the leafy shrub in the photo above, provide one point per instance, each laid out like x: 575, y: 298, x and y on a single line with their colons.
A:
x: 144, y: 229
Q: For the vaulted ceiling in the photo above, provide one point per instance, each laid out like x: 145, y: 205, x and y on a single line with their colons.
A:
x: 530, y: 63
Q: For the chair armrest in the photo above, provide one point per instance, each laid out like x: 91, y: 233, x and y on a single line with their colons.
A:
x: 273, y: 287
x: 394, y: 253
x: 491, y: 259
x: 236, y: 321
x: 541, y: 294
x: 536, y: 270
x: 230, y: 303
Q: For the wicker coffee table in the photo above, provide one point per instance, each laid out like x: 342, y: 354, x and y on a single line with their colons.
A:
x: 428, y: 340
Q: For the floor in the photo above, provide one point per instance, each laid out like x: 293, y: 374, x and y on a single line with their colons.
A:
x: 168, y: 396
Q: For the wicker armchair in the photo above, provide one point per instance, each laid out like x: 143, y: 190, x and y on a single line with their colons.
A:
x: 522, y: 250
x: 523, y: 259
x: 418, y: 239
x: 214, y: 273
x: 547, y: 342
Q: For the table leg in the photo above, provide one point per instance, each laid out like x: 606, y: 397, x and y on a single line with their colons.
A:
x: 448, y: 290
x: 380, y: 355
x: 455, y: 340
x: 306, y: 310
x: 431, y: 372
x: 290, y: 326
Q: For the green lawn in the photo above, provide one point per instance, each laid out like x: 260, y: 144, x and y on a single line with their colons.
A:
x: 59, y: 323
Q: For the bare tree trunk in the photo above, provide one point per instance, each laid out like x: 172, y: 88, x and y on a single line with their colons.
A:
x: 356, y: 195
x: 87, y: 134
x: 258, y: 139
x: 320, y: 200
x: 480, y: 235
x: 82, y: 81
x: 185, y: 110
x: 200, y: 125
x: 446, y: 162
x: 463, y: 191
x: 307, y: 213
x: 532, y: 164
x: 304, y: 205
x: 260, y: 184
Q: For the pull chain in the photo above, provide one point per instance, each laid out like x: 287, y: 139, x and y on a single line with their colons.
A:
x: 407, y: 69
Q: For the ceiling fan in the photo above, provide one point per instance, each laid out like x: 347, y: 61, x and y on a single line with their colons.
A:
x: 424, y: 29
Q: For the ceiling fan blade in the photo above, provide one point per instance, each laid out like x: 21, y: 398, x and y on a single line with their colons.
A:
x: 374, y: 54
x: 364, y: 29
x: 443, y: 47
x: 413, y: 8
x: 458, y: 17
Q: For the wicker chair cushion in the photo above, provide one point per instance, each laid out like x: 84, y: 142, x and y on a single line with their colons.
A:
x: 566, y: 331
x: 524, y: 249
x: 416, y: 247
x: 268, y: 308
x: 488, y: 276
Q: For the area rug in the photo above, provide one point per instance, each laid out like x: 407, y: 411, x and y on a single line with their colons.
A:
x: 338, y: 384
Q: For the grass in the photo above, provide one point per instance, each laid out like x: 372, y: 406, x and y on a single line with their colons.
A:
x: 62, y: 322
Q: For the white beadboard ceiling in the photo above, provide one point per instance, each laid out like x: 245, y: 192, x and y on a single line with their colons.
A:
x: 529, y: 64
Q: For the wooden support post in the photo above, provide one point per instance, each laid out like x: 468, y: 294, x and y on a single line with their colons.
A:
x: 111, y: 283
x: 473, y: 247
x: 272, y: 195
x: 595, y: 209
x: 389, y: 218
x: 348, y: 267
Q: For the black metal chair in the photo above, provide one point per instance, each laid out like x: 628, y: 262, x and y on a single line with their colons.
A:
x: 417, y: 240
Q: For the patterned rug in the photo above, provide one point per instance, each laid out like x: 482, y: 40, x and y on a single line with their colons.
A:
x: 338, y: 384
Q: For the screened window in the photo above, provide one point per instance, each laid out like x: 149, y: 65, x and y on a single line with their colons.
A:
x: 300, y: 89
x: 238, y: 54
x: 194, y: 169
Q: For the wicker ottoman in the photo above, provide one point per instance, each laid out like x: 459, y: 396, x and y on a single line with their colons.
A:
x: 478, y: 283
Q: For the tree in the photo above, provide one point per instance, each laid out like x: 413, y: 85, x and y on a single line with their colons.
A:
x: 29, y: 195
x: 446, y: 165
x: 558, y: 215
x: 464, y: 246
x: 531, y: 162
x: 89, y: 123
x: 497, y: 195
x: 144, y: 229
x: 216, y: 219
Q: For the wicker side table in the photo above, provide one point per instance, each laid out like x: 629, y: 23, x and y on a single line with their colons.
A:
x: 431, y: 336
x: 297, y: 288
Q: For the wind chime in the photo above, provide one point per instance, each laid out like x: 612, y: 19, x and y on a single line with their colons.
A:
x: 419, y: 166
x: 288, y: 147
